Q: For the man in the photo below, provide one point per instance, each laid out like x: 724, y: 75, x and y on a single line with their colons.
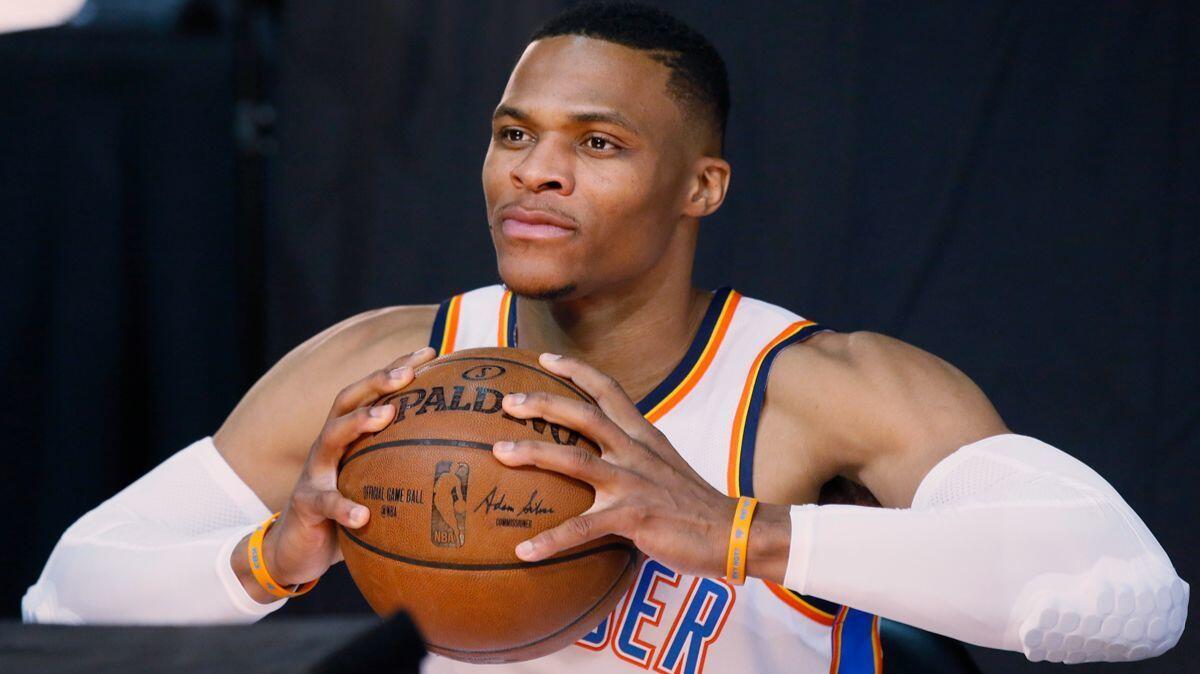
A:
x: 605, y: 154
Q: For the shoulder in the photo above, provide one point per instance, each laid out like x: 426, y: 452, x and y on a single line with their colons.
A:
x: 368, y: 337
x: 345, y: 352
x: 881, y: 410
x: 866, y: 361
x: 276, y: 421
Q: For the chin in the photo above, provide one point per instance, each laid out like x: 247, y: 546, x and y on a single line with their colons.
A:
x: 538, y: 284
x: 547, y: 293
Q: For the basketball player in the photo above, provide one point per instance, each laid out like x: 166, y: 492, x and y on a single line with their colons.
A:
x: 606, y: 152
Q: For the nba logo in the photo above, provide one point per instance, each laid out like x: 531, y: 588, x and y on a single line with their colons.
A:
x: 448, y: 522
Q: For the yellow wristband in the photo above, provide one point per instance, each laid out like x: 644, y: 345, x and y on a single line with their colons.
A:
x: 258, y: 565
x: 739, y: 540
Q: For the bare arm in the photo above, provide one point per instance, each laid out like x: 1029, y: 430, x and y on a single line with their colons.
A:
x: 871, y: 409
x: 268, y: 440
x: 1009, y: 542
x: 169, y: 546
x: 267, y: 436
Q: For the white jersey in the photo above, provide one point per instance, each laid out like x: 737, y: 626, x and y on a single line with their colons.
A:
x: 709, y: 408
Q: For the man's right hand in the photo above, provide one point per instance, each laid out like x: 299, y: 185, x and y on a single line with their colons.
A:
x: 302, y: 544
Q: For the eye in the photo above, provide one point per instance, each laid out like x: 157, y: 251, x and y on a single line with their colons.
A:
x: 511, y: 134
x: 601, y: 144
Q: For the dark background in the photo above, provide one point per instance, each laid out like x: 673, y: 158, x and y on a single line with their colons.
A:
x: 1014, y: 186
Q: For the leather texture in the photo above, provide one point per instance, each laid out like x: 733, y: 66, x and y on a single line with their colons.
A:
x: 446, y: 516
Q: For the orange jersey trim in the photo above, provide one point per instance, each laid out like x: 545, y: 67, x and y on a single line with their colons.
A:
x: 877, y: 645
x: 836, y: 660
x: 736, y: 440
x: 502, y: 323
x: 451, y: 330
x: 811, y: 612
x: 706, y: 357
x: 739, y: 420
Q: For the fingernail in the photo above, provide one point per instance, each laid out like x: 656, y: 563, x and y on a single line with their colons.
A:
x: 525, y: 549
x: 358, y: 515
x: 516, y: 398
x: 550, y: 356
x: 426, y: 350
x: 399, y: 373
x: 380, y: 411
x: 504, y: 446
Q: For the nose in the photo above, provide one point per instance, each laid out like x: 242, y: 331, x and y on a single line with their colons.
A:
x: 547, y: 166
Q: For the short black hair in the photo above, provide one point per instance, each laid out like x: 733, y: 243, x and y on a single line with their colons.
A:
x: 698, y: 77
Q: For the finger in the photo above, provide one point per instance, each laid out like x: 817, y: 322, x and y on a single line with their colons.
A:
x: 333, y: 506
x: 416, y: 358
x: 340, y: 432
x: 615, y: 404
x: 609, y: 395
x: 314, y: 506
x: 575, y: 531
x: 370, y: 388
x: 572, y: 461
x: 397, y: 375
x: 574, y: 414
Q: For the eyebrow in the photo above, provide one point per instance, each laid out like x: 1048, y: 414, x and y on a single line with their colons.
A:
x: 607, y: 116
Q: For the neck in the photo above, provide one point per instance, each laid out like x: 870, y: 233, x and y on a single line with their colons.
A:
x: 635, y: 333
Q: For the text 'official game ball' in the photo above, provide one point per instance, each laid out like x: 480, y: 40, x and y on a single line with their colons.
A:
x: 446, y: 516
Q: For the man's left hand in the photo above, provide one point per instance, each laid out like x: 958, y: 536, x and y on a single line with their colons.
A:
x: 645, y: 491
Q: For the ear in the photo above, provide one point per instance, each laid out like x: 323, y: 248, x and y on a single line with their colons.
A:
x: 709, y: 184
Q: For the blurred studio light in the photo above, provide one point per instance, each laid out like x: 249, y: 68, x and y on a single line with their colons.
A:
x: 125, y: 16
x: 30, y: 14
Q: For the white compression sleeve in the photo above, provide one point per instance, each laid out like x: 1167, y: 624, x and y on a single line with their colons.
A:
x: 157, y: 552
x: 1010, y: 543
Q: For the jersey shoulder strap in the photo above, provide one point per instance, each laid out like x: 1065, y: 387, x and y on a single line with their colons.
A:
x: 762, y: 333
x: 477, y: 318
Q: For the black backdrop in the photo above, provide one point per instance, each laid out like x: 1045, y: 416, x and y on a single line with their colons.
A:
x: 1014, y: 186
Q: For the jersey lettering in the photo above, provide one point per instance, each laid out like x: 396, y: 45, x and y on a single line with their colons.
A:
x: 696, y: 627
x: 597, y: 639
x: 666, y: 623
x: 642, y: 609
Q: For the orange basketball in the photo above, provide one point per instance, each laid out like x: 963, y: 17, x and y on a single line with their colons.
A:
x: 446, y: 516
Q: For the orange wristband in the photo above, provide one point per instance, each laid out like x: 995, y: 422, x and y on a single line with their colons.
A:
x: 739, y: 539
x: 258, y: 565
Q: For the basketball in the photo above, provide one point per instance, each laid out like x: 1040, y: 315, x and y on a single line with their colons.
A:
x: 446, y: 516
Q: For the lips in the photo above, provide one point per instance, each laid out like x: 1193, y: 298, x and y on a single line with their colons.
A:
x: 533, y: 225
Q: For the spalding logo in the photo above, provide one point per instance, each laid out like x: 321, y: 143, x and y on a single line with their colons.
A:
x: 482, y: 372
x: 448, y: 525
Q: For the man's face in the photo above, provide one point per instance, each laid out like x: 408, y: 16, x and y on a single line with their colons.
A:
x: 588, y: 167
